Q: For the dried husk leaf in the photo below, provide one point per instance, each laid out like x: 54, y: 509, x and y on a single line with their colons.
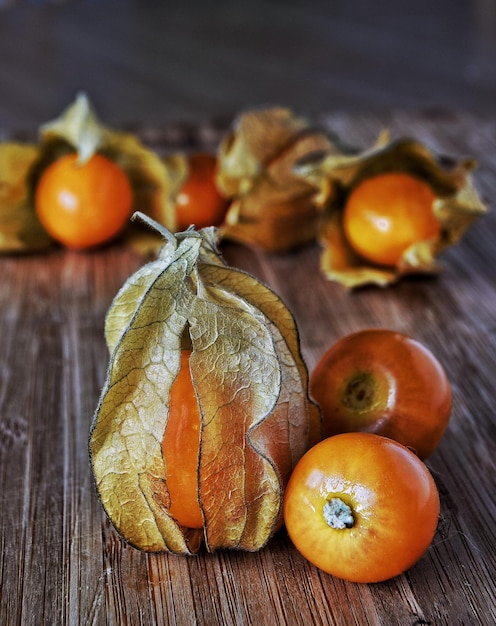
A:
x: 20, y: 230
x: 456, y: 206
x: 251, y: 385
x: 178, y: 168
x: 271, y: 207
x: 79, y: 130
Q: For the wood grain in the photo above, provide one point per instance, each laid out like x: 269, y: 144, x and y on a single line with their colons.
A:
x: 61, y: 562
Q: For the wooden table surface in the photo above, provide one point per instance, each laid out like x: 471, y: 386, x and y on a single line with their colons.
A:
x: 61, y: 562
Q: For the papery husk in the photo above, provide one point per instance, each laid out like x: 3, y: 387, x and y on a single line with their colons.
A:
x: 456, y: 206
x: 271, y: 208
x: 251, y: 384
x: 79, y: 130
x: 20, y: 229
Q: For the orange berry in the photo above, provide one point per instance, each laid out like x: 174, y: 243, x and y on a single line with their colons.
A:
x: 384, y: 215
x: 86, y: 205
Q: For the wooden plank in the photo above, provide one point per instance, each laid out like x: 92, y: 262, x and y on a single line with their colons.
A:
x: 61, y: 562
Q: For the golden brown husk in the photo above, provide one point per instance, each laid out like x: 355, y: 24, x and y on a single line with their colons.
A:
x: 251, y: 385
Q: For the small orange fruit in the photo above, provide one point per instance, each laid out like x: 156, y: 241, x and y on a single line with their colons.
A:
x: 385, y: 214
x: 199, y: 201
x: 86, y: 205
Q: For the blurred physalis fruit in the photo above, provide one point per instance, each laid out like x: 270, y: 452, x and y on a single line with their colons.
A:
x: 271, y: 208
x: 391, y: 210
x: 386, y: 214
x: 82, y: 205
x: 199, y: 201
x: 78, y: 130
x: 205, y: 408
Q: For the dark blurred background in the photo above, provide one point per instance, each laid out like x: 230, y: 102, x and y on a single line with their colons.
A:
x: 151, y: 61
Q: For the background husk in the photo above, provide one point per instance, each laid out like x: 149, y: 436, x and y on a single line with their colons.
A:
x: 20, y: 230
x: 271, y: 208
x: 456, y: 206
x: 78, y: 129
x: 153, y: 180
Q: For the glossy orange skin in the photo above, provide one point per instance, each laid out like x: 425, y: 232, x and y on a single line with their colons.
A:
x: 392, y: 497
x: 381, y: 381
x: 386, y: 214
x: 82, y: 206
x: 199, y: 201
x: 180, y: 448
